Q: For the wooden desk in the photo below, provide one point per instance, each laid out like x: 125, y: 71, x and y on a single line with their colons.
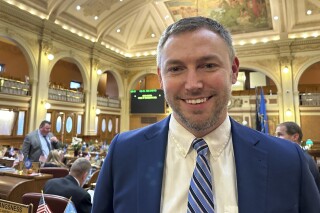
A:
x: 6, y: 162
x: 315, y: 153
x: 13, y: 185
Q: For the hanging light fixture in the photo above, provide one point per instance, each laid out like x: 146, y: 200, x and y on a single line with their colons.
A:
x: 50, y: 56
x: 98, y: 111
x: 288, y: 113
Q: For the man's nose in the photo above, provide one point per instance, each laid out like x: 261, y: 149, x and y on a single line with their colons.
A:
x: 193, y: 80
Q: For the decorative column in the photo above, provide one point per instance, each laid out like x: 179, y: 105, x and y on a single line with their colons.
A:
x: 296, y: 98
x: 34, y: 87
x: 91, y: 98
x: 40, y: 85
x: 286, y: 75
x: 125, y: 111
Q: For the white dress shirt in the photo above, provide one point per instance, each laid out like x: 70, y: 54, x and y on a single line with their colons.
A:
x: 44, y: 145
x: 181, y: 160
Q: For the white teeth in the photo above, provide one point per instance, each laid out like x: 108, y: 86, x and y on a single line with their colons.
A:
x: 197, y: 101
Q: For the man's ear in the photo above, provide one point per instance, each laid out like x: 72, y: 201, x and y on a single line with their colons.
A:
x: 235, y: 69
x: 296, y: 137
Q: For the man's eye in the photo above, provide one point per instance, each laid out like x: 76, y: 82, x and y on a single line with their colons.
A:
x: 174, y: 69
x: 209, y: 66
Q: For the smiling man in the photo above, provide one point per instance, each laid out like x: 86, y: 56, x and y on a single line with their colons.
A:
x: 199, y: 159
x: 38, y: 143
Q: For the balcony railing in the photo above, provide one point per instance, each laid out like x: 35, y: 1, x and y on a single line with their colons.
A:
x: 66, y: 95
x: 310, y: 99
x: 108, y: 102
x: 14, y: 87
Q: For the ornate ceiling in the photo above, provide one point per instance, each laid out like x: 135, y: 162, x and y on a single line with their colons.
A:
x: 133, y: 27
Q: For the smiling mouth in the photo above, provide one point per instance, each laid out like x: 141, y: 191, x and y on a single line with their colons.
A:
x: 196, y: 101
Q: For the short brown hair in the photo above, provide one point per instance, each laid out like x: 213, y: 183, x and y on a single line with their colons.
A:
x: 292, y: 128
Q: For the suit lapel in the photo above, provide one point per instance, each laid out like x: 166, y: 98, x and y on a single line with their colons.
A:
x: 251, y: 168
x: 151, y: 156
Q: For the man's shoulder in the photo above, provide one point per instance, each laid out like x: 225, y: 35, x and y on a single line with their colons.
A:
x: 308, y: 156
x: 33, y: 133
x: 56, y: 180
x: 260, y: 139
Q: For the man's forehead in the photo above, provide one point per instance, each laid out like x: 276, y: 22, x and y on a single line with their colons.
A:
x: 282, y: 127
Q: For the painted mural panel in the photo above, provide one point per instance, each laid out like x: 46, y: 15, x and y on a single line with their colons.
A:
x: 240, y: 16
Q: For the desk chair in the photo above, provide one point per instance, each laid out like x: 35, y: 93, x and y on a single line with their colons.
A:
x: 57, y: 204
x: 57, y: 172
x: 93, y: 179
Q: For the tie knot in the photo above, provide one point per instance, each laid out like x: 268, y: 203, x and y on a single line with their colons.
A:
x: 200, y: 146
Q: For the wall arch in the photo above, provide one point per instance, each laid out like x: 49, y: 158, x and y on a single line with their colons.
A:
x: 78, y: 61
x: 118, y: 79
x: 27, y: 51
x: 301, y: 70
x: 136, y: 77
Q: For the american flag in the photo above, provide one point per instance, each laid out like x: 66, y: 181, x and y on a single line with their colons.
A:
x: 43, y: 207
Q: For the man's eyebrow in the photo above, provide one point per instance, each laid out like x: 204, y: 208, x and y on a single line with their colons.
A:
x: 173, y: 61
x: 204, y: 58
x: 209, y: 57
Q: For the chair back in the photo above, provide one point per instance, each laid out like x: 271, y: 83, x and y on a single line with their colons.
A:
x: 57, y: 172
x: 56, y: 204
x: 92, y: 179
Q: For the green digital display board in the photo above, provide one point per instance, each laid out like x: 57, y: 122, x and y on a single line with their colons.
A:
x: 147, y: 101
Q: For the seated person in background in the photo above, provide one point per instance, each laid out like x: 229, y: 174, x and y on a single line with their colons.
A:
x: 39, y: 142
x: 10, y: 152
x: 54, y: 159
x: 71, y: 186
x: 4, y: 152
x: 292, y: 132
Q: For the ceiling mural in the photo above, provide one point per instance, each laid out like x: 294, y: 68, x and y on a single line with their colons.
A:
x: 240, y: 16
x: 132, y: 28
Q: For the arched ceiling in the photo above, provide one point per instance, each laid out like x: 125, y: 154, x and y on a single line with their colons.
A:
x: 132, y: 27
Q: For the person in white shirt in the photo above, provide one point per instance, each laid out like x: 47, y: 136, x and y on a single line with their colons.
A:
x: 236, y: 169
x: 38, y: 143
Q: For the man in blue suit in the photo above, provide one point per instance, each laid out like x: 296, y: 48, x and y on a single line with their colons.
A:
x: 291, y: 131
x: 150, y: 169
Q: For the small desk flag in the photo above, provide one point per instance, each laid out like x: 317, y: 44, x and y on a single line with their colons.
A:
x: 43, y: 207
x: 27, y: 163
x: 70, y: 208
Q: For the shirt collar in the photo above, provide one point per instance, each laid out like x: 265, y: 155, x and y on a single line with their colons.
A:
x: 76, y: 180
x: 41, y: 134
x: 216, y: 139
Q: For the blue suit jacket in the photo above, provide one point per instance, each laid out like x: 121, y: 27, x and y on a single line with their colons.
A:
x: 272, y: 175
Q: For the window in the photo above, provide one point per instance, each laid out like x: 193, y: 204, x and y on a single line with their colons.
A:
x: 75, y: 85
x: 12, y: 123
